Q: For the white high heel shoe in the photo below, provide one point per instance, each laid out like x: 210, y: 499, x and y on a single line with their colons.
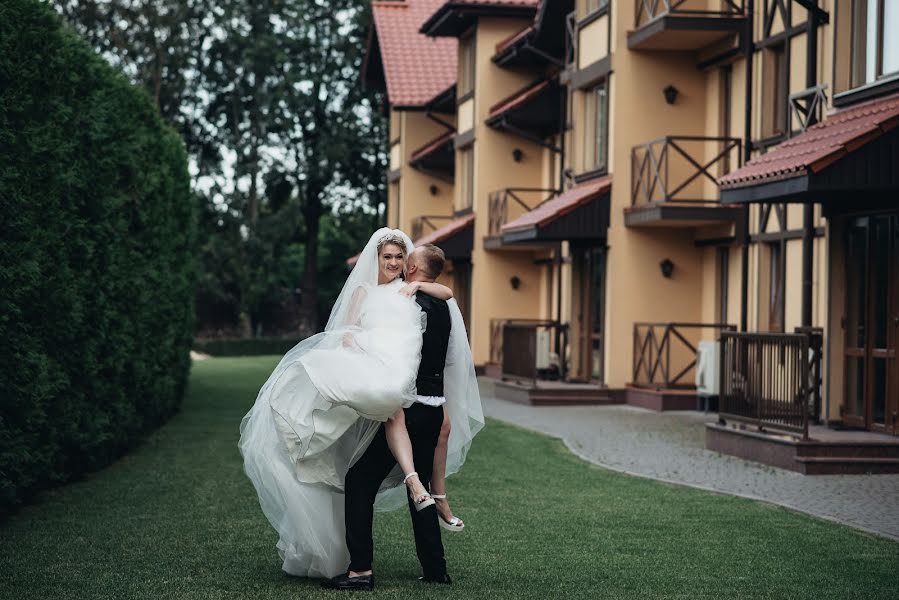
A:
x: 454, y: 524
x: 426, y: 500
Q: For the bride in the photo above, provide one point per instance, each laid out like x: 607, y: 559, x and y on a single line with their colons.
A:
x: 324, y: 402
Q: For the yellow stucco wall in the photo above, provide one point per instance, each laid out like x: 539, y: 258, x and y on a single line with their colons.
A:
x: 415, y: 186
x: 495, y: 169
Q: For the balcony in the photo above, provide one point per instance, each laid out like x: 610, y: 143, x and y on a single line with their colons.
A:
x: 684, y: 25
x: 674, y: 182
x: 770, y: 400
x: 426, y: 224
x: 455, y: 238
x: 507, y: 204
x: 437, y: 158
x: 771, y: 380
x: 664, y: 363
x: 533, y: 113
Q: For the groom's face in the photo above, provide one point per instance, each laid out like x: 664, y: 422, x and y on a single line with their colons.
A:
x: 391, y: 262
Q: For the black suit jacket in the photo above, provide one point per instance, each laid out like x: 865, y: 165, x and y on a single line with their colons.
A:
x: 434, y: 344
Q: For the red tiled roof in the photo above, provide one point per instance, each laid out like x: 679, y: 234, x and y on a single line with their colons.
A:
x: 472, y: 7
x: 416, y: 67
x: 432, y: 145
x: 495, y: 2
x: 447, y: 231
x: 518, y: 98
x: 561, y: 205
x: 821, y: 145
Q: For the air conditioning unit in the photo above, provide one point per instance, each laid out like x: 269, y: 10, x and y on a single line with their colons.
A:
x: 543, y: 354
x: 708, y: 359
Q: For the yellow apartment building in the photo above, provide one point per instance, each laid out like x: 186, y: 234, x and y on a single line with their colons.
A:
x: 631, y: 191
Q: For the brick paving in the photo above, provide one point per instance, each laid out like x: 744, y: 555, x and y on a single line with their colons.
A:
x: 671, y: 447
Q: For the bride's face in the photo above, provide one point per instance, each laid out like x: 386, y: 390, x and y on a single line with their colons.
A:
x: 391, y: 262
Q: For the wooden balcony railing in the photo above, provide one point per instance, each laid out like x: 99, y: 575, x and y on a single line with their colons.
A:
x: 808, y: 106
x: 676, y: 169
x: 649, y: 10
x: 498, y: 206
x: 663, y: 356
x: 425, y: 224
x: 571, y: 39
x: 529, y: 349
x: 771, y: 380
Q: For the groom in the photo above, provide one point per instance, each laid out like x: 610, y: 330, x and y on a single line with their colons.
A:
x: 423, y: 421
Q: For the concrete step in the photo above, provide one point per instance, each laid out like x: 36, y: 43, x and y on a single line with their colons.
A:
x: 861, y: 450
x: 556, y: 396
x: 827, y: 465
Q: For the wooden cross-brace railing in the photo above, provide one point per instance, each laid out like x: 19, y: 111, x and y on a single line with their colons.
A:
x: 498, y: 206
x: 648, y: 10
x: 419, y: 224
x: 653, y: 363
x: 652, y: 179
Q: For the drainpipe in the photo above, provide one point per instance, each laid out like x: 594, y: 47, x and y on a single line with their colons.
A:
x: 808, y: 209
x: 748, y: 48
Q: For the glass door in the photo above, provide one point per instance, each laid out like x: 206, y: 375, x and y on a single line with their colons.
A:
x: 597, y: 313
x: 872, y: 323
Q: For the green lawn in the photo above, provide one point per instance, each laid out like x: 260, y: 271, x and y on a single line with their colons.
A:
x: 178, y: 519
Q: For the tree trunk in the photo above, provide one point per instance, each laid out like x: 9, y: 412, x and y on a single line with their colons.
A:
x: 308, y: 323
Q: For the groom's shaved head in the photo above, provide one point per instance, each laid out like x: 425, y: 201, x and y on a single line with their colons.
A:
x: 430, y: 259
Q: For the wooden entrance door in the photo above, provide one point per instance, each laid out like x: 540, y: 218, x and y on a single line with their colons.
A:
x: 872, y: 323
x: 462, y: 290
x: 588, y: 314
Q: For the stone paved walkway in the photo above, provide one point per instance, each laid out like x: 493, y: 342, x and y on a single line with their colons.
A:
x: 671, y: 447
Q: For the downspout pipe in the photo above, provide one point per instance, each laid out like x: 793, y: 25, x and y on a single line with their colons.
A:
x: 748, y: 49
x: 808, y: 209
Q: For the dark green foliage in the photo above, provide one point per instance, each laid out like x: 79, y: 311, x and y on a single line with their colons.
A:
x: 97, y: 236
x: 246, y: 346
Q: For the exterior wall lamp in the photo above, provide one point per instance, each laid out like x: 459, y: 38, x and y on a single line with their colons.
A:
x: 517, y: 154
x: 667, y: 268
x: 515, y: 282
x: 433, y: 189
x: 670, y: 93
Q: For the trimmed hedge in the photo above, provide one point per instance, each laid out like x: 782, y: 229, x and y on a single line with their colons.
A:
x: 97, y: 267
x: 245, y: 346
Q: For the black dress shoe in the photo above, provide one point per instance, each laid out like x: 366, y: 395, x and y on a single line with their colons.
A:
x: 365, y: 583
x: 445, y: 578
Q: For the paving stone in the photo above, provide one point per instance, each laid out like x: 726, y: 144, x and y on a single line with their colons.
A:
x: 671, y: 447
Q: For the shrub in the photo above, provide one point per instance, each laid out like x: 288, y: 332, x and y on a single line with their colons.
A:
x: 97, y: 235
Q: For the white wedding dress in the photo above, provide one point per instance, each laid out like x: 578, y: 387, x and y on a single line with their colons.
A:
x: 323, y: 403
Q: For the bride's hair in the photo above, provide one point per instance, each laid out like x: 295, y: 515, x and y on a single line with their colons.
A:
x: 396, y: 240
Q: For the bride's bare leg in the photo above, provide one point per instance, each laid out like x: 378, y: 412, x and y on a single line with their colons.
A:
x: 438, y: 478
x: 401, y: 448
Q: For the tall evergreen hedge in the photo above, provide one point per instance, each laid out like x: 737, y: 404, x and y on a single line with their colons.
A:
x: 97, y: 235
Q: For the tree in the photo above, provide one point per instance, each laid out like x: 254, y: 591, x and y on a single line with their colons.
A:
x: 333, y: 129
x: 280, y: 132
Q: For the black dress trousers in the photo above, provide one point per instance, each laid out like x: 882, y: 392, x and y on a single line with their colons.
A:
x: 364, y: 478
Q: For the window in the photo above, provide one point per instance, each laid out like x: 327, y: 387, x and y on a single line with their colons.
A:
x: 467, y: 65
x: 875, y: 40
x: 466, y: 177
x: 596, y: 119
x: 775, y: 85
x: 776, y: 285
